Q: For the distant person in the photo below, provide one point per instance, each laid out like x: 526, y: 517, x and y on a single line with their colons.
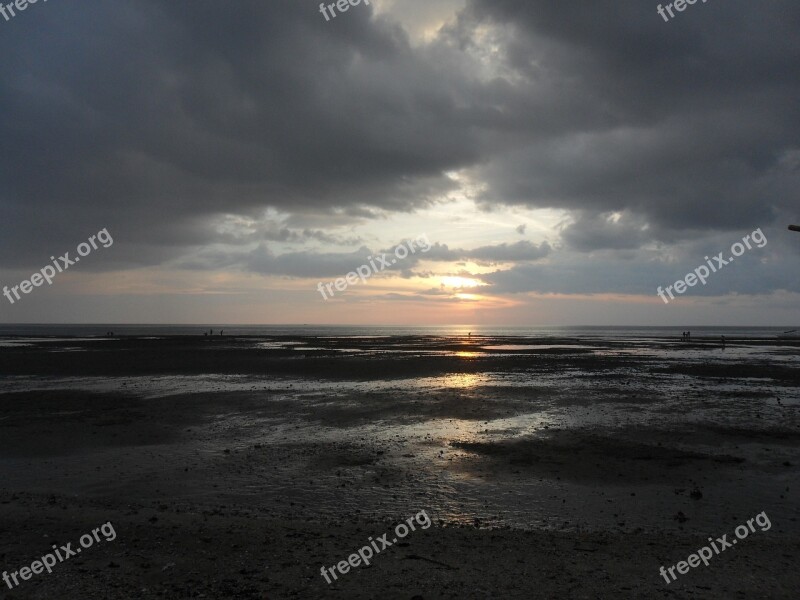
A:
x: 723, y: 341
x: 221, y: 331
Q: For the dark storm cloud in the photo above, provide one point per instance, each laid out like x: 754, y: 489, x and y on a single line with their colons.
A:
x: 686, y: 124
x: 622, y: 272
x: 143, y: 116
x: 593, y: 231
x: 609, y: 277
x: 159, y: 119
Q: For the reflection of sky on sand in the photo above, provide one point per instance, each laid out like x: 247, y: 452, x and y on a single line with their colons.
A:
x: 419, y: 467
x: 382, y: 445
x: 169, y: 385
x: 708, y: 354
x: 569, y: 394
x: 460, y: 380
x: 278, y: 345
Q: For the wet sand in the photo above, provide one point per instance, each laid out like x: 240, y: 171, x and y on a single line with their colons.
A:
x: 237, y: 467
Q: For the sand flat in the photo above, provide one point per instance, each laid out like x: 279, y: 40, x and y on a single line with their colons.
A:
x: 583, y: 471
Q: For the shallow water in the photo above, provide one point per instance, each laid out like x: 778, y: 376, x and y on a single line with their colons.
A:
x: 506, y: 434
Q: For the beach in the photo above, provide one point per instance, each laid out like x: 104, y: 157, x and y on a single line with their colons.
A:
x: 238, y: 466
x: 400, y: 300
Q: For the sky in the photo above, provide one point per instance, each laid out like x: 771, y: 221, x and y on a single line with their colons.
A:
x: 559, y: 161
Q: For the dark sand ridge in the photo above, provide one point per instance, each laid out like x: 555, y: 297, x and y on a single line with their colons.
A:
x: 246, y: 492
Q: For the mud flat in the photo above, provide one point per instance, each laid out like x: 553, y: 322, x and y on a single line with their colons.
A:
x: 550, y: 467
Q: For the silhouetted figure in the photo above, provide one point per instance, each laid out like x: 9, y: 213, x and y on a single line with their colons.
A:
x: 723, y: 342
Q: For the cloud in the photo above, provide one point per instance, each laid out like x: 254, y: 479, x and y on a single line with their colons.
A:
x: 520, y: 251
x: 302, y: 264
x: 183, y: 130
x: 682, y: 125
x: 305, y: 264
x: 606, y: 231
x: 758, y: 270
x: 165, y: 118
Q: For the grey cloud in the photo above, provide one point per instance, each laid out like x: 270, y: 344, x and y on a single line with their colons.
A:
x: 517, y: 252
x: 305, y: 264
x: 592, y: 231
x: 301, y: 264
x: 520, y: 251
x: 167, y: 115
x: 685, y: 124
x: 759, y: 270
x: 156, y: 119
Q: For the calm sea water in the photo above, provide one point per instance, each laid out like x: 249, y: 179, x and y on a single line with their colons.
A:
x: 361, y: 331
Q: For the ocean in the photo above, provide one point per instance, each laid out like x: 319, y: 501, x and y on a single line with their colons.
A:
x: 590, y: 332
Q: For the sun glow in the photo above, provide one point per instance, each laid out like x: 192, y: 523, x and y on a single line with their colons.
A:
x: 460, y: 282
